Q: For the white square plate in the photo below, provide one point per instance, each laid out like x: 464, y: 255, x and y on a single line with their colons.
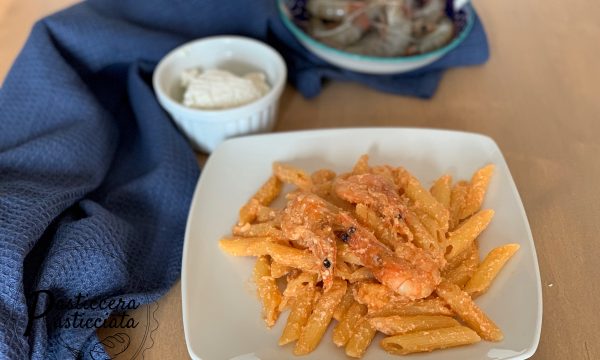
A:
x: 221, y: 313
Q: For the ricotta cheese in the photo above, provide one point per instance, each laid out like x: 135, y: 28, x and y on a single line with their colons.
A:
x: 215, y: 89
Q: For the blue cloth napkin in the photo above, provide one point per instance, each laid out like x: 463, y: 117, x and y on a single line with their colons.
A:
x: 95, y: 181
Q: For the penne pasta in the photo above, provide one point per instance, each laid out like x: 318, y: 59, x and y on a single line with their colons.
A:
x: 292, y: 175
x: 255, y: 230
x: 441, y: 190
x: 322, y: 176
x: 435, y: 306
x: 461, y: 274
x: 342, y: 269
x: 424, y: 201
x: 345, y: 328
x: 248, y: 211
x: 489, y: 268
x: 278, y: 270
x: 237, y: 246
x: 461, y: 238
x: 319, y: 319
x: 267, y: 290
x: 264, y: 196
x: 325, y: 191
x: 394, y: 325
x: 401, y: 178
x: 292, y: 257
x: 476, y: 191
x: 363, y: 334
x: 422, y: 237
x: 462, y: 304
x: 457, y: 202
x: 362, y: 165
x: 460, y: 258
x: 265, y: 213
x: 384, y: 170
x: 429, y: 340
x: 344, y: 305
x: 431, y: 225
x: 295, y: 282
x: 301, y: 309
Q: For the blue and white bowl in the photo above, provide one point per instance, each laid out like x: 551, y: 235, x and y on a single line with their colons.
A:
x: 292, y: 13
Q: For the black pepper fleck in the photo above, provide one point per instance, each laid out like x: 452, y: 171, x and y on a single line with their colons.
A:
x: 326, y: 263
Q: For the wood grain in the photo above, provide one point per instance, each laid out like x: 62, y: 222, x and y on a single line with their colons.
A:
x: 537, y: 97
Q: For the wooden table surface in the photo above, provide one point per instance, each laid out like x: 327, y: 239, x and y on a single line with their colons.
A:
x: 538, y: 97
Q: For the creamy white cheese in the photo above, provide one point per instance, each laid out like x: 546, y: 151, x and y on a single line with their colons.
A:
x: 215, y: 89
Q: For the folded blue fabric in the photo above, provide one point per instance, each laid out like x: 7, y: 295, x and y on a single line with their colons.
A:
x: 95, y: 181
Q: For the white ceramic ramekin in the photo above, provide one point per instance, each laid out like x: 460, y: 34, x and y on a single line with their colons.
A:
x: 205, y: 129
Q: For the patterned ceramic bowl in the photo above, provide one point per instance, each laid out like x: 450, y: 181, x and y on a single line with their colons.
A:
x: 294, y: 15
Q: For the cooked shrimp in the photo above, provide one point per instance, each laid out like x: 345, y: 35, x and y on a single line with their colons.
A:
x: 379, y: 194
x: 441, y: 35
x: 410, y: 271
x: 430, y: 11
x: 333, y: 10
x: 307, y: 219
x: 341, y: 35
